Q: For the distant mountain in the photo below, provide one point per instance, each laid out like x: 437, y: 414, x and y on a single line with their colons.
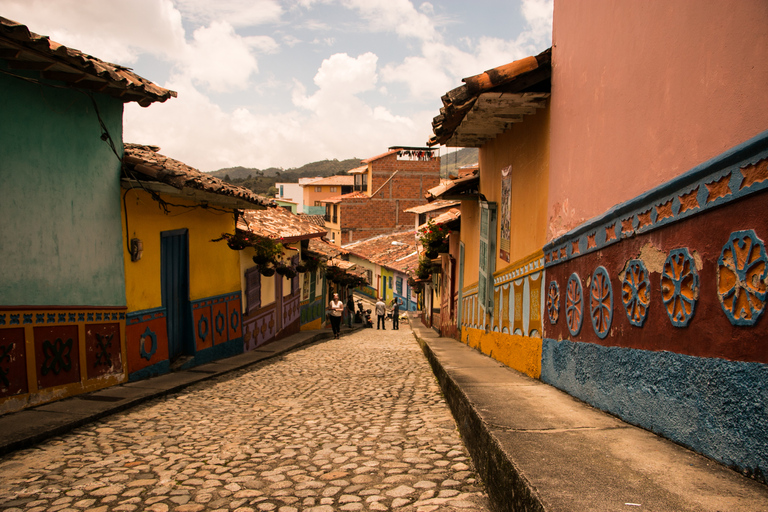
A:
x: 450, y: 162
x: 262, y: 181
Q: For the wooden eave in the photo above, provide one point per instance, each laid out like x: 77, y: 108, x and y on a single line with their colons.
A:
x: 190, y: 194
x: 490, y: 103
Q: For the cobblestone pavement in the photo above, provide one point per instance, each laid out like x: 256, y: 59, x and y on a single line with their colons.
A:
x: 352, y: 424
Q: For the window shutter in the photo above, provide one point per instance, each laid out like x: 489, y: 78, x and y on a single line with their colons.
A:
x: 487, y: 256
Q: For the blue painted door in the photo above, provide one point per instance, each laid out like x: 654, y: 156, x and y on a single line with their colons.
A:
x: 174, y: 253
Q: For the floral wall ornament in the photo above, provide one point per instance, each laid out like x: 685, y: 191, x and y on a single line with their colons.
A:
x: 574, y: 304
x: 553, y: 302
x: 741, y: 276
x: 601, y: 302
x: 680, y: 287
x: 636, y: 292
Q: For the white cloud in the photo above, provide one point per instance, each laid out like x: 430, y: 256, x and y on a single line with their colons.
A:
x: 398, y: 16
x: 116, y: 31
x: 238, y: 13
x: 221, y: 59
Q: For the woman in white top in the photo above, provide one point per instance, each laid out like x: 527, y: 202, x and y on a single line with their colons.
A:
x: 337, y: 308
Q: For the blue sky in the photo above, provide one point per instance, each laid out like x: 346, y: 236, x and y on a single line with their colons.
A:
x: 265, y: 83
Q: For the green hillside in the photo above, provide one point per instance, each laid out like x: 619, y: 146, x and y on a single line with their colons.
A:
x: 262, y: 181
x: 450, y: 162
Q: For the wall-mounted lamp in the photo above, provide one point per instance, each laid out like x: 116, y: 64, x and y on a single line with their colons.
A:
x: 137, y: 249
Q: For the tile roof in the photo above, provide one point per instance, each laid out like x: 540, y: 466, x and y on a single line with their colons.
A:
x: 454, y: 187
x: 444, y: 218
x: 334, y: 180
x: 352, y: 195
x: 145, y: 165
x: 390, y: 152
x: 497, y: 98
x: 278, y: 223
x: 25, y: 50
x: 395, y: 250
x: 434, y: 205
x: 325, y: 248
x: 318, y: 220
x: 359, y: 170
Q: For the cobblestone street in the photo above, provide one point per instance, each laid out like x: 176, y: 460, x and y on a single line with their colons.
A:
x: 352, y: 424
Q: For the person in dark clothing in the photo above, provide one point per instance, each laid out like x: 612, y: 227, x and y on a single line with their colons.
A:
x: 396, y: 314
x: 350, y: 309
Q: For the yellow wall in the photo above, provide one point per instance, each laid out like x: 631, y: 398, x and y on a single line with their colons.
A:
x: 213, y: 266
x: 519, y: 352
x: 470, y: 235
x: 525, y: 147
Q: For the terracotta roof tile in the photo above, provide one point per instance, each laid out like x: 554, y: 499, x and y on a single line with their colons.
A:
x: 57, y: 62
x: 279, y: 223
x: 497, y: 98
x: 444, y: 218
x: 390, y: 152
x: 334, y: 180
x: 325, y: 248
x: 318, y: 220
x: 435, y: 205
x: 352, y: 195
x: 395, y: 251
x: 144, y: 163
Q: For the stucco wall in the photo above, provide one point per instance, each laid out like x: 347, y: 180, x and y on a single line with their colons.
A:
x: 525, y: 149
x: 60, y: 198
x: 214, y: 268
x: 644, y: 91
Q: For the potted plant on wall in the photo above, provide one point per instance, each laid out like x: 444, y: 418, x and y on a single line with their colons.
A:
x: 285, y: 270
x: 434, y: 239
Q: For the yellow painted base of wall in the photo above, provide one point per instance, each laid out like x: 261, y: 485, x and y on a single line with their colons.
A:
x: 518, y: 352
x: 314, y: 324
x: 19, y: 402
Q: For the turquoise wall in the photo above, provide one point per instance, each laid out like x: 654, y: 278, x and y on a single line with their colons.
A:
x: 60, y: 220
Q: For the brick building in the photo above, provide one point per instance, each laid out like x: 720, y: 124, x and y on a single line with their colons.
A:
x: 384, y: 187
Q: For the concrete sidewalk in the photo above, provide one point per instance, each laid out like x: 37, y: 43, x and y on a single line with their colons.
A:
x: 539, y: 449
x: 31, y: 426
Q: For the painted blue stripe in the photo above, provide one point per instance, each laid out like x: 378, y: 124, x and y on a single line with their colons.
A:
x: 134, y: 317
x: 714, y: 406
x: 216, y: 299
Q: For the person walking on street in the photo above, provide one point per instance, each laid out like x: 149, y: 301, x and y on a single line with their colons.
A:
x: 337, y: 308
x: 381, y: 311
x: 396, y: 314
x: 350, y: 309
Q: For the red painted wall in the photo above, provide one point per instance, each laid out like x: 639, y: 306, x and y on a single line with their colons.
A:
x: 642, y: 91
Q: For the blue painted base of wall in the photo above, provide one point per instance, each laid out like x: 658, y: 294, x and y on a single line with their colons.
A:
x: 216, y: 352
x: 716, y: 407
x: 160, y: 368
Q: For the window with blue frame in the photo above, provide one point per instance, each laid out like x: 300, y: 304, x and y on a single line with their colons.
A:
x: 399, y: 285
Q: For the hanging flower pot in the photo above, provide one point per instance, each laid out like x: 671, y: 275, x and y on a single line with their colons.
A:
x: 267, y: 271
x: 301, y: 268
x: 285, y: 270
x: 431, y: 253
x: 261, y: 259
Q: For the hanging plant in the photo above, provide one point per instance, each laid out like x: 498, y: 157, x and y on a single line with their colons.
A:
x: 267, y: 271
x: 425, y: 268
x: 434, y: 237
x: 285, y: 270
x: 301, y: 268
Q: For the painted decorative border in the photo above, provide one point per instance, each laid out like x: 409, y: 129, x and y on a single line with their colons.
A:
x: 739, y: 172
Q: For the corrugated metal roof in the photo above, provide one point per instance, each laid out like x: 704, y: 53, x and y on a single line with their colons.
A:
x: 394, y: 250
x: 144, y: 164
x: 435, y: 205
x: 278, y: 223
x: 27, y: 51
x: 497, y: 98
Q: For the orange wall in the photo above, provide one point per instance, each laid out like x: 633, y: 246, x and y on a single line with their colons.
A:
x: 642, y: 91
